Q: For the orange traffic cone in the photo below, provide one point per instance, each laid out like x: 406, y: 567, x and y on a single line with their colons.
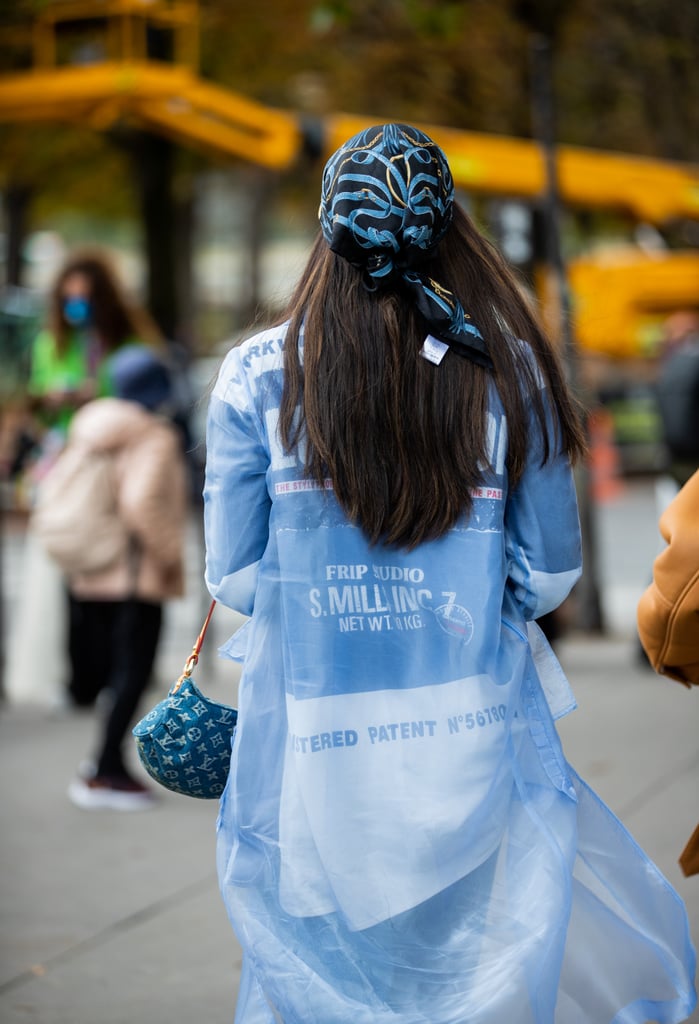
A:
x: 605, y: 463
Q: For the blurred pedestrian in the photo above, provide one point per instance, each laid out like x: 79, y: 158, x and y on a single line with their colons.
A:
x: 677, y: 395
x: 389, y: 497
x: 120, y: 605
x: 677, y: 390
x: 88, y: 318
x: 91, y: 317
x: 668, y: 612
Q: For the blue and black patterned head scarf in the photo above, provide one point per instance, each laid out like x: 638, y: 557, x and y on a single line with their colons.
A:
x: 387, y: 200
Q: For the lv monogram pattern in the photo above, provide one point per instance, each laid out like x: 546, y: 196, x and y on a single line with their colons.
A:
x: 185, y: 742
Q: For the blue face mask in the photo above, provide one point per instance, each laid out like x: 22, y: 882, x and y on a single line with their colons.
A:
x: 77, y: 311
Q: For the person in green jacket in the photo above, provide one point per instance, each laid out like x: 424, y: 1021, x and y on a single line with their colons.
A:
x: 89, y: 317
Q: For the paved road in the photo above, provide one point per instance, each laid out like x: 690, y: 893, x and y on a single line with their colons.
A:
x: 116, y: 919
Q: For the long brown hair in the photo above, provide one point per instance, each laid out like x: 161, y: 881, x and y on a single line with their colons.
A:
x: 401, y: 439
x: 114, y: 318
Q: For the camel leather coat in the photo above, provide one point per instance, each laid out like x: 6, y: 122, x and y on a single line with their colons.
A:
x: 668, y: 612
x: 401, y: 839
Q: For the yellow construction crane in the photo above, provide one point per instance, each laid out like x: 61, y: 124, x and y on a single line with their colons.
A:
x: 649, y: 190
x: 93, y: 63
x: 622, y: 301
x: 101, y: 62
x: 109, y: 72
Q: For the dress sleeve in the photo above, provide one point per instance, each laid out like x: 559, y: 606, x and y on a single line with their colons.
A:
x: 236, y: 499
x: 668, y: 612
x: 542, y: 528
x: 40, y: 366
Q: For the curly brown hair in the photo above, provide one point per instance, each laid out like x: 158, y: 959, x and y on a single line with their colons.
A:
x: 115, y: 317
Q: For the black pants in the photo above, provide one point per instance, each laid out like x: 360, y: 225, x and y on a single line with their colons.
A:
x: 112, y: 646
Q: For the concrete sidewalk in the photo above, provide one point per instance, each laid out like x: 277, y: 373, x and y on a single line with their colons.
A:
x: 109, y: 918
x: 116, y: 918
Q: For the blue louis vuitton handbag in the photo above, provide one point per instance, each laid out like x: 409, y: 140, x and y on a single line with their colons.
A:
x: 184, y: 743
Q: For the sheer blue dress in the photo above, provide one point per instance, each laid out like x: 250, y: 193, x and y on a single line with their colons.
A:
x: 402, y: 839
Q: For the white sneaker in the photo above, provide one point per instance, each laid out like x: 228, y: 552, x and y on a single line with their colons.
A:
x: 110, y: 793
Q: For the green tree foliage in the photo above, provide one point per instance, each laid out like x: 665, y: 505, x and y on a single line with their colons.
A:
x: 626, y: 71
x: 626, y: 76
x: 388, y: 58
x: 65, y: 166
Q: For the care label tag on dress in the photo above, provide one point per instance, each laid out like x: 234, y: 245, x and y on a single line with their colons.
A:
x: 433, y: 349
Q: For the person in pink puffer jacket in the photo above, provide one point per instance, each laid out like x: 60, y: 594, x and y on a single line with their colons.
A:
x: 120, y: 607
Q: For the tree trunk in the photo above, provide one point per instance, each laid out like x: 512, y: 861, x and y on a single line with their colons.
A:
x: 17, y: 202
x: 153, y: 166
x: 185, y: 225
x: 260, y: 192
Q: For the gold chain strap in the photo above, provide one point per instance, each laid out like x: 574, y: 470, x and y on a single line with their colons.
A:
x: 194, y: 656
